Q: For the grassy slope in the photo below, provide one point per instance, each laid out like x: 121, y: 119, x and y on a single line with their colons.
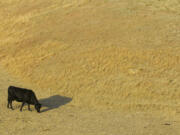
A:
x: 109, y: 54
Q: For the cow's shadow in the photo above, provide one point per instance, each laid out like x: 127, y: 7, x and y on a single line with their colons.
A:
x: 54, y: 102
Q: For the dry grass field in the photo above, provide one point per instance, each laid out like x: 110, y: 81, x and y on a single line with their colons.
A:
x: 107, y: 67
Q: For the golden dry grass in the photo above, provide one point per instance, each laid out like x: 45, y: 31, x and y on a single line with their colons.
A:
x: 118, y: 55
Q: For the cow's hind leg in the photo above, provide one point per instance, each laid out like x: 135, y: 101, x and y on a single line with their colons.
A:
x: 22, y: 106
x: 29, y: 107
x: 10, y: 102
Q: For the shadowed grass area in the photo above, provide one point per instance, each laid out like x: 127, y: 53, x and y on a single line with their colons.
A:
x: 54, y: 102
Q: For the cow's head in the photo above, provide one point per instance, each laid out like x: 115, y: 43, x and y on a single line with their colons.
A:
x: 38, y: 107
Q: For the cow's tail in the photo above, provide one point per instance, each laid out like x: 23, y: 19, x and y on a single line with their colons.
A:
x: 9, y: 89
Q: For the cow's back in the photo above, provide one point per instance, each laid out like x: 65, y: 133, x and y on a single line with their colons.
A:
x: 19, y: 94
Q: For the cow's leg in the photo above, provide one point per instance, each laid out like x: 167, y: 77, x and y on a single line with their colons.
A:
x: 22, y: 106
x: 10, y: 102
x: 10, y: 99
x: 29, y: 107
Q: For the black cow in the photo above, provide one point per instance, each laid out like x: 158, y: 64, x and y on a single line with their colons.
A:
x: 22, y: 95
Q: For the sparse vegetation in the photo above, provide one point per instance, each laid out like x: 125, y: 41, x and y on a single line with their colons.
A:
x: 111, y: 57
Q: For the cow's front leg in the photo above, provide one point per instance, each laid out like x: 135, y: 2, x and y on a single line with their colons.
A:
x: 29, y: 107
x: 22, y: 106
